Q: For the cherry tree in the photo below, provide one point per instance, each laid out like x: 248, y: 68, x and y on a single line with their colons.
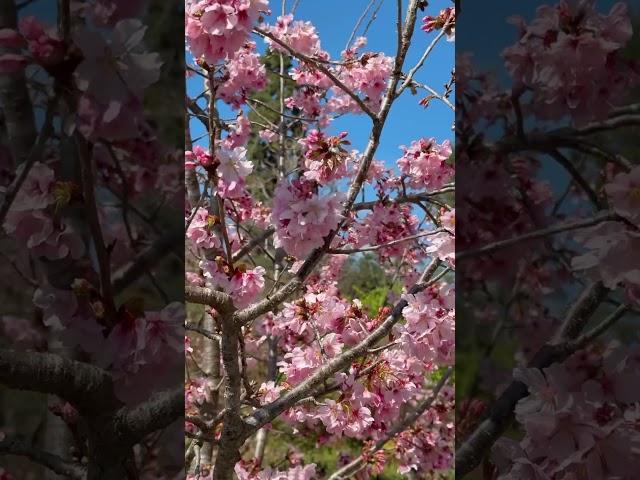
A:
x: 273, y: 345
x: 547, y: 258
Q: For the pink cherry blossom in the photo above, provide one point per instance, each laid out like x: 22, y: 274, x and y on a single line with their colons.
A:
x: 11, y: 38
x: 37, y: 191
x: 300, y: 36
x: 425, y: 164
x: 302, y: 217
x: 566, y: 55
x: 447, y: 17
x: 216, y: 29
x: 232, y: 170
x: 624, y: 192
x: 44, y: 44
x: 325, y: 157
x: 245, y: 75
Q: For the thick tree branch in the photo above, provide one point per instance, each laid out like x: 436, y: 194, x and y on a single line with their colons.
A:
x: 86, y: 387
x: 160, y: 411
x: 233, y: 430
x: 54, y: 463
x: 221, y: 301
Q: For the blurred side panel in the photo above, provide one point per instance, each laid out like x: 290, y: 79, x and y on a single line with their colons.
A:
x: 91, y: 244
x: 548, y: 243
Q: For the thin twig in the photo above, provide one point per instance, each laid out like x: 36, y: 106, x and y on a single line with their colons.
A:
x: 563, y: 227
x: 348, y: 251
x: 34, y: 156
x: 317, y: 64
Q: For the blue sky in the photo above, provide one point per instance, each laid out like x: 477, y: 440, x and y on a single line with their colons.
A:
x: 334, y: 20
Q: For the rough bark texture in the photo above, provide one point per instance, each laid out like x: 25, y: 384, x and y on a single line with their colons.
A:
x: 112, y: 428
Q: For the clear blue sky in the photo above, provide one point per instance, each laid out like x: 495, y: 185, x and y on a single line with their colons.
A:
x: 334, y: 20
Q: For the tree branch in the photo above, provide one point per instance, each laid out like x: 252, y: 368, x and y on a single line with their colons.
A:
x: 145, y: 260
x: 86, y: 387
x: 249, y: 247
x: 348, y: 251
x: 91, y: 209
x: 52, y: 462
x: 267, y: 413
x: 34, y: 155
x: 160, y: 411
x: 425, y: 55
x: 15, y: 101
x: 221, y: 301
x: 318, y: 65
x: 316, y: 255
x: 563, y: 227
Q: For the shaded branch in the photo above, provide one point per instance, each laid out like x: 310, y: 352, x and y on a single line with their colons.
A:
x: 34, y: 155
x: 93, y: 219
x: 145, y: 260
x: 86, y: 387
x: 577, y: 177
x: 318, y: 65
x: 52, y: 462
x: 563, y: 227
x: 160, y: 411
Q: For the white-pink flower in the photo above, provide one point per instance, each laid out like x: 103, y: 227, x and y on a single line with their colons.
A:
x: 624, y: 192
x: 302, y: 217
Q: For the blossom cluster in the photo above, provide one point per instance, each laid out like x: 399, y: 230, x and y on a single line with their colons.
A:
x: 325, y: 156
x: 446, y: 17
x: 580, y: 412
x: 241, y: 283
x: 216, y: 29
x: 233, y: 238
x: 611, y: 248
x: 320, y: 325
x: 566, y: 56
x: 244, y: 76
x: 299, y: 35
x: 303, y: 218
x: 42, y: 45
x: 425, y: 163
